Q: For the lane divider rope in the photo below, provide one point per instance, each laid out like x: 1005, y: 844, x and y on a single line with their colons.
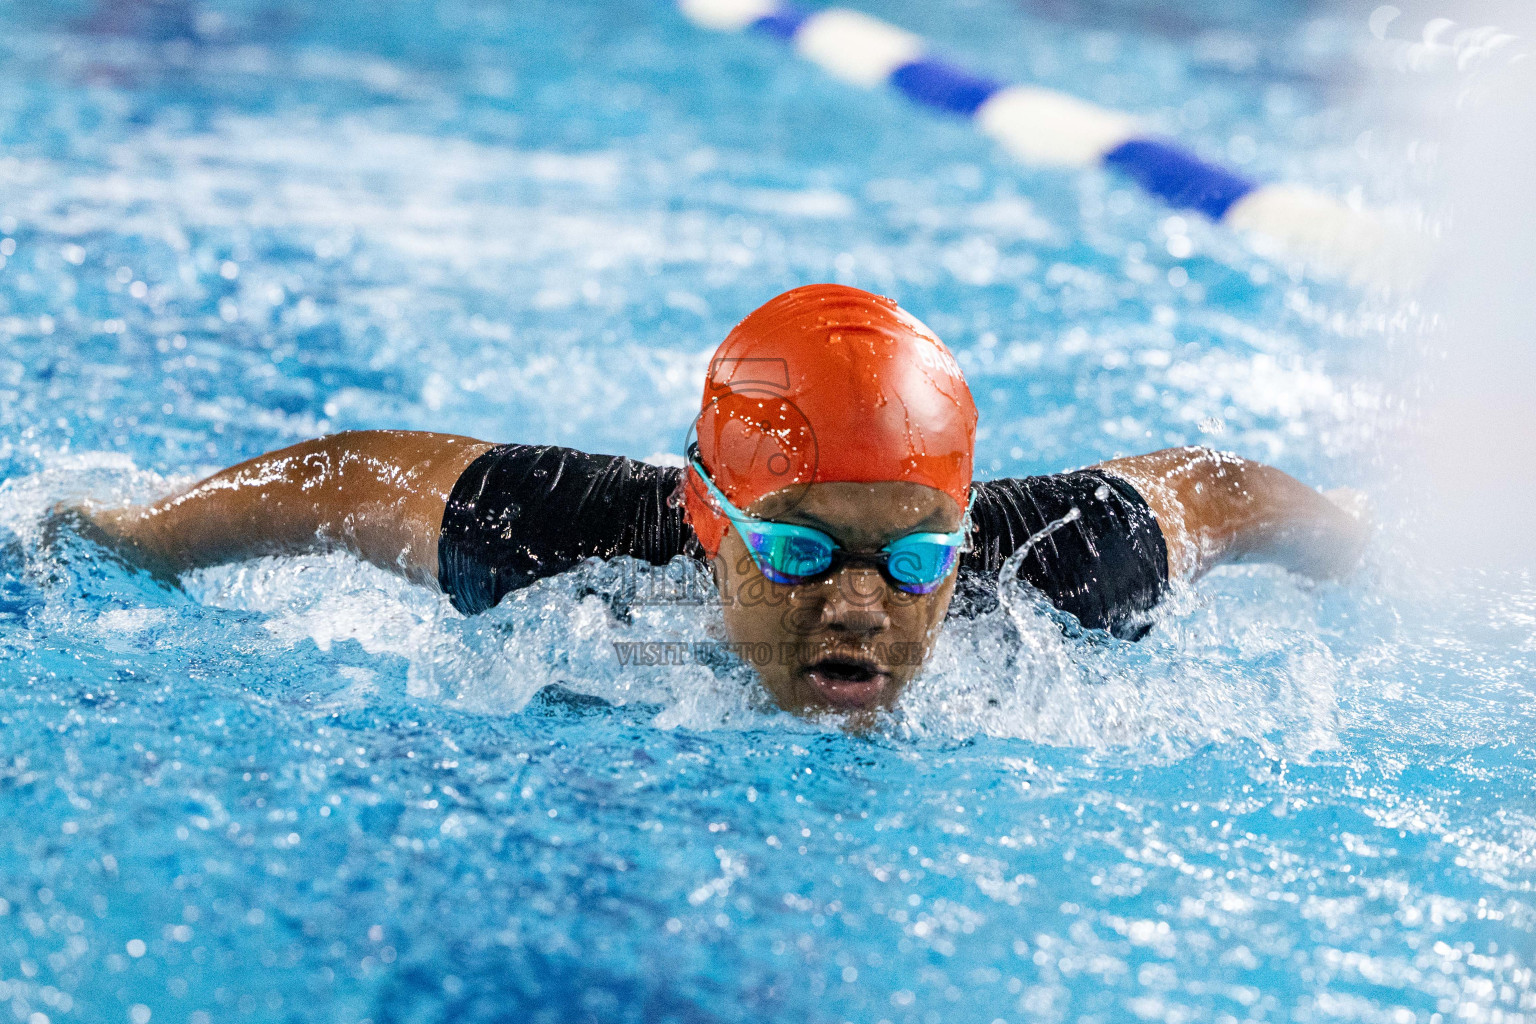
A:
x: 1043, y: 127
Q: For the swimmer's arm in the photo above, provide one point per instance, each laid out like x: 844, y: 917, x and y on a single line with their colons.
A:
x: 1214, y: 507
x: 379, y: 494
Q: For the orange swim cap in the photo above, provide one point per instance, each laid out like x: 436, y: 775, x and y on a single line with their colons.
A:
x: 829, y: 383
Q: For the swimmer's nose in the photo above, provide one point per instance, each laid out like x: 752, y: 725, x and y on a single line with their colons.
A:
x: 856, y: 603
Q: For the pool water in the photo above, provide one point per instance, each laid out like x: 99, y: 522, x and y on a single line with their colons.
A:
x: 302, y: 790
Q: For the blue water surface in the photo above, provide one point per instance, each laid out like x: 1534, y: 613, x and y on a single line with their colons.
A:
x: 302, y: 790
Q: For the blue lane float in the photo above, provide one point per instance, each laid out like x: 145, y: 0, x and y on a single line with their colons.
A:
x: 1043, y: 127
x: 1178, y: 177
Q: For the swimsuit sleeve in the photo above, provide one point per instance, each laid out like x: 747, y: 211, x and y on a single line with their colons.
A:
x: 523, y: 512
x: 1097, y: 551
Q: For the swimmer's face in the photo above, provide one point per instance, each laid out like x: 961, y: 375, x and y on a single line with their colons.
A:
x: 848, y: 641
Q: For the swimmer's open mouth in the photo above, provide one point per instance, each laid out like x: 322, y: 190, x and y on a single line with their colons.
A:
x: 846, y: 681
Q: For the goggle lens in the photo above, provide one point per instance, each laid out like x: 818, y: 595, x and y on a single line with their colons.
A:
x: 788, y: 559
x: 918, y: 565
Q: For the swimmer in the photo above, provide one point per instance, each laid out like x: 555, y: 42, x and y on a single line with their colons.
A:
x: 829, y: 488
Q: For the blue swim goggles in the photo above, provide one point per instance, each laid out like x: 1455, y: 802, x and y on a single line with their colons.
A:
x: 790, y: 555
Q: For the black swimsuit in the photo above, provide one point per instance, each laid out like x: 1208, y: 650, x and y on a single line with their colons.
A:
x: 523, y: 512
